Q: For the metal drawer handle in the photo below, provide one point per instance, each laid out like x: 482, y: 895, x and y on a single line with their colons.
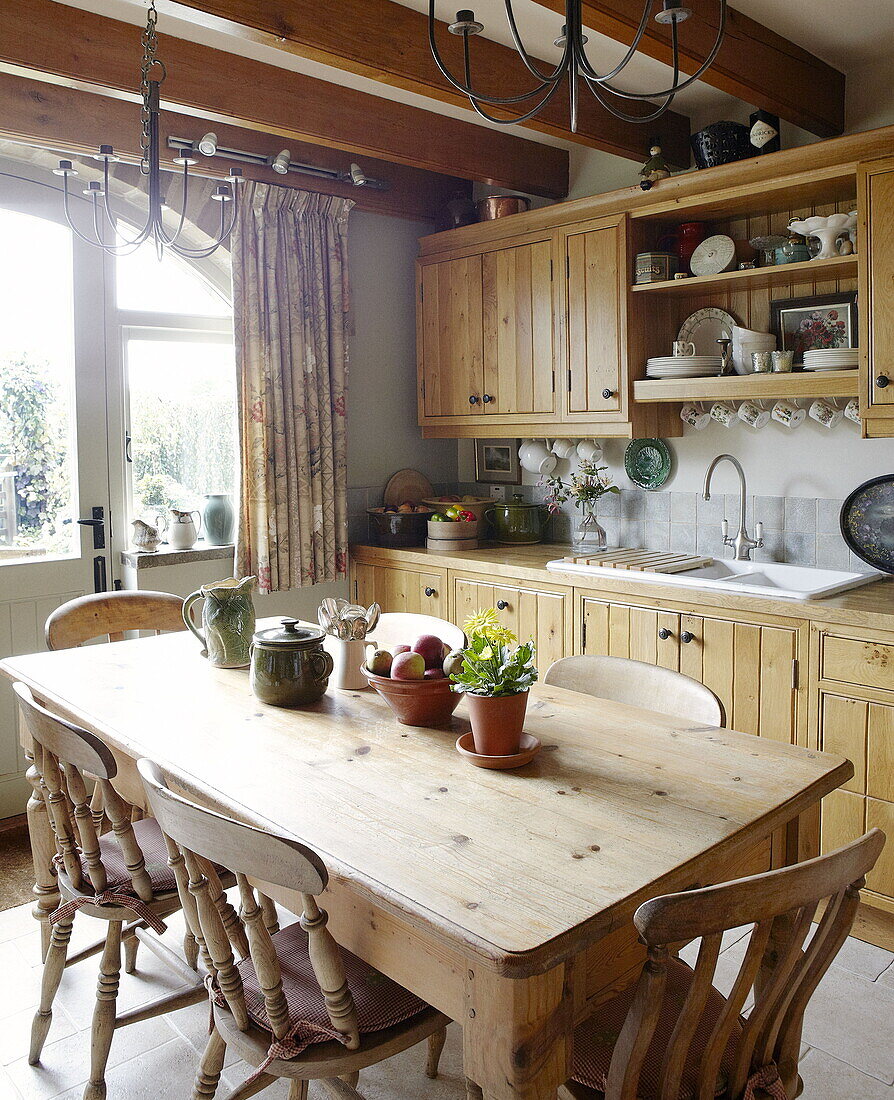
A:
x: 686, y: 637
x: 473, y: 399
x: 487, y: 398
x: 502, y: 605
x: 429, y: 592
x: 882, y: 381
x: 664, y: 634
x: 607, y: 393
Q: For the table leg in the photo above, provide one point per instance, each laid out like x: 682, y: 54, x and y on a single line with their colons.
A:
x: 43, y: 848
x: 517, y: 1034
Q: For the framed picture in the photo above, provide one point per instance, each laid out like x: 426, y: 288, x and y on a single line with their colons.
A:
x: 496, y: 460
x: 808, y: 324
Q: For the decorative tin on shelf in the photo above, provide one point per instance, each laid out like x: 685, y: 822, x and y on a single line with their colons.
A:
x: 655, y: 267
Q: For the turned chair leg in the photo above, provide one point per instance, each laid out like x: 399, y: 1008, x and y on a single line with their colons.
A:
x: 104, y: 1014
x: 210, y: 1067
x: 351, y: 1078
x: 53, y: 969
x: 436, y: 1043
x: 191, y: 950
x: 298, y: 1090
x: 131, y: 943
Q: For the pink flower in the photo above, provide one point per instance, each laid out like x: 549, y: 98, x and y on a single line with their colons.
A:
x: 256, y: 412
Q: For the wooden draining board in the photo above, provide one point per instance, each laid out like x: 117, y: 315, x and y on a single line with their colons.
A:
x: 646, y: 561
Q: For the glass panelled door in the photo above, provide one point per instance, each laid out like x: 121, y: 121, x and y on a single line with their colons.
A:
x: 54, y: 462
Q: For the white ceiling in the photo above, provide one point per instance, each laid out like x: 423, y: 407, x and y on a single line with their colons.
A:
x: 846, y: 36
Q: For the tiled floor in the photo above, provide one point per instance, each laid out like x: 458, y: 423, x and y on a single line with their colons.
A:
x: 848, y: 1032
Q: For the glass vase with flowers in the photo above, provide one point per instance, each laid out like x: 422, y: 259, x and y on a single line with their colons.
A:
x: 586, y: 487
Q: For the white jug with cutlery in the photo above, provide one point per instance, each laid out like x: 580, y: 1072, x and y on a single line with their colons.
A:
x: 182, y: 529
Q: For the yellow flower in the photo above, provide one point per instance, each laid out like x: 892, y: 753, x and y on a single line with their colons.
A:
x: 486, y: 623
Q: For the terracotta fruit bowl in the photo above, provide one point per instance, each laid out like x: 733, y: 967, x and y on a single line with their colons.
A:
x: 416, y: 702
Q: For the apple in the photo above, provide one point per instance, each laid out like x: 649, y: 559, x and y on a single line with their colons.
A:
x: 453, y: 662
x: 434, y: 674
x: 408, y: 666
x: 379, y: 664
x: 431, y: 649
x: 400, y: 649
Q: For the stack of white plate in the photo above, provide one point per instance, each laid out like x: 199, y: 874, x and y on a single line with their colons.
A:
x: 683, y: 366
x: 832, y: 359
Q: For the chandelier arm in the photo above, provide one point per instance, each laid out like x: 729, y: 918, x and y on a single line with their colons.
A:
x: 624, y: 116
x: 161, y: 229
x: 516, y: 119
x: 202, y: 253
x: 71, y: 225
x: 703, y: 68
x: 466, y: 89
x: 559, y: 70
x: 584, y: 62
x: 107, y: 206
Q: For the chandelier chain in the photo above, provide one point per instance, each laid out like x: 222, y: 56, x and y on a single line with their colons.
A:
x: 150, y: 45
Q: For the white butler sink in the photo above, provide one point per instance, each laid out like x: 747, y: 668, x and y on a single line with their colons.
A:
x: 754, y: 578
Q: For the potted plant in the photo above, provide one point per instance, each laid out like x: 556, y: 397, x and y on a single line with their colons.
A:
x: 588, y: 484
x: 495, y: 675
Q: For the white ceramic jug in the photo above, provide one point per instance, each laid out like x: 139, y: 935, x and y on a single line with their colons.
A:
x: 182, y: 530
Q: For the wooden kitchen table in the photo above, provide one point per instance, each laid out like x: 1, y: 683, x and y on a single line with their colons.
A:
x: 502, y: 898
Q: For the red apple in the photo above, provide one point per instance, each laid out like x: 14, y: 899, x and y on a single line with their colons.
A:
x: 408, y: 666
x: 400, y: 649
x: 431, y: 650
x: 434, y: 674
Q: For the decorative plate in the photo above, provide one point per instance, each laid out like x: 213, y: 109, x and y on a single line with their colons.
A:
x: 647, y: 462
x: 705, y: 327
x: 713, y: 255
x: 406, y: 485
x: 867, y: 522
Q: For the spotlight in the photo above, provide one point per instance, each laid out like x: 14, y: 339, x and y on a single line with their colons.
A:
x: 208, y: 144
x: 280, y: 163
x: 358, y: 177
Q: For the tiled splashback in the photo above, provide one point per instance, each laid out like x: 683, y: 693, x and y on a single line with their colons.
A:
x: 799, y: 530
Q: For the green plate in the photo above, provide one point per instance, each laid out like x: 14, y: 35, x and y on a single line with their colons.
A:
x: 647, y: 462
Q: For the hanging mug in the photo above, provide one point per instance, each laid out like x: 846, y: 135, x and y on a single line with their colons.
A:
x: 695, y: 417
x: 722, y: 413
x: 824, y: 413
x: 182, y: 529
x: 852, y: 410
x: 788, y: 414
x: 753, y: 415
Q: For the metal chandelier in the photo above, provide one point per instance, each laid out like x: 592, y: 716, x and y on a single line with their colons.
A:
x: 574, y: 63
x: 227, y: 194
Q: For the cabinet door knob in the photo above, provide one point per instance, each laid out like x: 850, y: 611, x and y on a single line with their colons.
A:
x: 686, y: 637
x: 429, y: 591
x: 882, y: 381
x: 664, y: 634
x: 607, y: 393
x: 502, y: 605
x: 487, y: 398
x: 474, y: 398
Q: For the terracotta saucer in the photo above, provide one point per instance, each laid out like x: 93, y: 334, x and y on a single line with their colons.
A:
x: 528, y: 749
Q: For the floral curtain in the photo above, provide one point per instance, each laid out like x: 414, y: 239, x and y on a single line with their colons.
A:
x: 290, y: 306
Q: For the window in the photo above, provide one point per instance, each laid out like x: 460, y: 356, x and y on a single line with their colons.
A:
x: 38, y: 489
x: 177, y: 340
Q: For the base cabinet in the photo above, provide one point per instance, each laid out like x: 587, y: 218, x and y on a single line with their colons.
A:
x: 751, y: 668
x: 418, y: 591
x: 855, y: 718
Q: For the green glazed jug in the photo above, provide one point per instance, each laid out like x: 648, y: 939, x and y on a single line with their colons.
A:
x: 228, y: 621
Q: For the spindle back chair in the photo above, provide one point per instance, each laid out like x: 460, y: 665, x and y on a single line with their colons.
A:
x: 289, y: 1010
x: 680, y: 1036
x: 111, y: 615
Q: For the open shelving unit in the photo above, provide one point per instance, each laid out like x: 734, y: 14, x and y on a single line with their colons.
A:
x: 744, y: 387
x: 758, y: 278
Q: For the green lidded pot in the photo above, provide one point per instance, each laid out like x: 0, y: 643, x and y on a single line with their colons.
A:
x: 518, y: 522
x: 289, y: 667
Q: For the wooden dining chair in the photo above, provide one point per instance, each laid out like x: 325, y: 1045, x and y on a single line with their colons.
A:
x: 639, y: 684
x: 127, y: 878
x: 674, y: 1036
x: 403, y: 628
x: 110, y: 615
x: 299, y: 1007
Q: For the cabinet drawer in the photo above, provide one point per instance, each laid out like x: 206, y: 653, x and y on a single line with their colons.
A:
x: 853, y: 661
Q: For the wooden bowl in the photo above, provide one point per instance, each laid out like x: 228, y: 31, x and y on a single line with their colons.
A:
x: 416, y: 702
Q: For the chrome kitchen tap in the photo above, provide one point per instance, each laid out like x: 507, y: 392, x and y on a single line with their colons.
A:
x: 742, y: 543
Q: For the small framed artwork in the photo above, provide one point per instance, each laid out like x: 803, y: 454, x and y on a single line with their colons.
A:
x: 496, y: 460
x: 811, y: 324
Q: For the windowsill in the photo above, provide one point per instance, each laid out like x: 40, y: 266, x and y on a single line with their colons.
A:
x: 137, y: 559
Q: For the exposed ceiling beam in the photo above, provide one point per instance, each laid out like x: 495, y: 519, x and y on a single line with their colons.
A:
x: 45, y: 40
x: 74, y: 121
x: 754, y: 64
x: 387, y: 42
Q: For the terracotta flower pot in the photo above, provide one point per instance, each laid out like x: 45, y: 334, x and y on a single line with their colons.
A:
x: 497, y: 722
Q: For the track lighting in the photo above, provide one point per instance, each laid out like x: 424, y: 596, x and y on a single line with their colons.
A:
x: 208, y: 144
x: 280, y: 163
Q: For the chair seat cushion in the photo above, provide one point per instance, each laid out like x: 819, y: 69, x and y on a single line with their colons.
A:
x: 380, y: 1002
x: 595, y: 1038
x: 155, y: 853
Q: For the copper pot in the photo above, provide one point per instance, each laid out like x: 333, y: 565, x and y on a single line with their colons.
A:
x: 499, y: 206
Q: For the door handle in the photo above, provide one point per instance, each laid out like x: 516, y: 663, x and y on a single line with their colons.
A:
x: 686, y: 637
x: 98, y: 522
x: 882, y: 381
x: 429, y: 591
x: 100, y: 581
x: 664, y: 634
x: 502, y: 605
